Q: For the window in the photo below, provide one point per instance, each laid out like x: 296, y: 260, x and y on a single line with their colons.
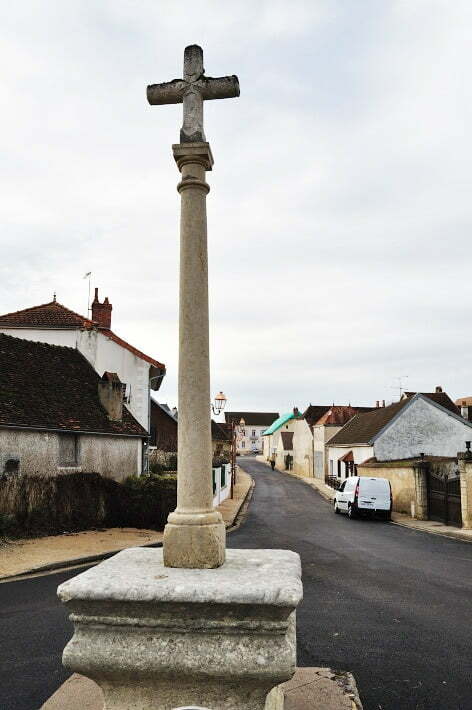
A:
x: 12, y: 465
x: 68, y: 450
x: 243, y: 444
x: 254, y: 432
x: 331, y: 467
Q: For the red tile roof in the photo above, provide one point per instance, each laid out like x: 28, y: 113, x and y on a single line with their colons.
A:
x: 55, y: 315
x: 48, y: 315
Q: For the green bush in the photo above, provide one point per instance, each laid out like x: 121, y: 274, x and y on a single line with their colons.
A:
x: 219, y: 461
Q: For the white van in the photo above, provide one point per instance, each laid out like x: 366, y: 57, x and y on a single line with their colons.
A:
x: 363, y: 495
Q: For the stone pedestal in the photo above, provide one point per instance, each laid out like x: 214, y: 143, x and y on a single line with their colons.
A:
x: 156, y: 637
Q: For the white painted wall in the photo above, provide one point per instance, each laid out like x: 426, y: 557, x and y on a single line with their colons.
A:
x: 38, y: 452
x: 250, y: 441
x: 360, y: 454
x: 104, y: 355
x: 302, y: 448
x: 222, y: 492
x: 423, y: 428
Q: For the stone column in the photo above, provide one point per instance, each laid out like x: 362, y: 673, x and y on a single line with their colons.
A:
x: 465, y: 472
x: 421, y: 491
x: 194, y: 536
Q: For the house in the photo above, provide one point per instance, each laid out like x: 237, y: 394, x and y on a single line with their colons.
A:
x: 465, y: 406
x: 249, y: 437
x: 57, y: 415
x: 55, y: 324
x: 427, y: 423
x: 164, y: 431
x: 163, y: 427
x: 278, y: 439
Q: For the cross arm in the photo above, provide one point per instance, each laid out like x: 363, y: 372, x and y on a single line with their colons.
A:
x: 170, y: 92
x: 222, y: 87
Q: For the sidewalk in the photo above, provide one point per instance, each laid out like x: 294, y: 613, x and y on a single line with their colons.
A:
x: 431, y: 526
x: 20, y: 557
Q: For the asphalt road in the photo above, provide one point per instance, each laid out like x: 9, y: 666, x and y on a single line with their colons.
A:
x: 389, y: 604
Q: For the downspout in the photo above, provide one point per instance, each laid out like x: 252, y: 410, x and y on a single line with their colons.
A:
x: 145, y: 458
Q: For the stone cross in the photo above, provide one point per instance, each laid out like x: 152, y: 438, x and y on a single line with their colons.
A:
x: 194, y: 536
x: 192, y: 91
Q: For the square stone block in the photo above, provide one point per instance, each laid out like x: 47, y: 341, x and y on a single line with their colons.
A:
x: 156, y: 638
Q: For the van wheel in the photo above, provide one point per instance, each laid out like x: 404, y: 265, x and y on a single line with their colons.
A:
x: 388, y: 517
x: 336, y: 509
x: 352, y: 512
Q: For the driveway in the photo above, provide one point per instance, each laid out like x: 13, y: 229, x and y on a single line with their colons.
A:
x: 389, y: 604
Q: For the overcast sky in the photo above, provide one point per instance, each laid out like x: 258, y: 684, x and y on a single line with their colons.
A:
x: 340, y: 204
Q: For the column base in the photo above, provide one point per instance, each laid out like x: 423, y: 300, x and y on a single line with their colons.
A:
x: 194, y: 546
x: 155, y: 638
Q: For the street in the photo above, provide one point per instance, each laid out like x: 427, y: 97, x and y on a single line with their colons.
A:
x: 389, y: 604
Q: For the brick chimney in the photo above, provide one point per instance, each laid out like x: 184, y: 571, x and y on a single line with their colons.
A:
x: 101, y: 312
x: 110, y: 393
x: 439, y: 388
x: 295, y: 411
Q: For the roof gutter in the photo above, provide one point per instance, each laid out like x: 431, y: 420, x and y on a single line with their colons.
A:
x: 71, y: 431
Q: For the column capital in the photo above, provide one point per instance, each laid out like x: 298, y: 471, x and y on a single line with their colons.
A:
x: 200, y: 153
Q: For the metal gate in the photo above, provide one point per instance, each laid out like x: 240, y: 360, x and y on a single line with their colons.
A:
x: 444, y: 498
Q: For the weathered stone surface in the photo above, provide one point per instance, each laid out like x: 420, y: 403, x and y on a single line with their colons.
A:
x: 156, y: 637
x: 192, y: 90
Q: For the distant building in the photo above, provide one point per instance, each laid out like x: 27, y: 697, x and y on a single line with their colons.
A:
x: 57, y: 415
x: 55, y: 324
x: 465, y: 406
x: 250, y: 435
x: 278, y: 439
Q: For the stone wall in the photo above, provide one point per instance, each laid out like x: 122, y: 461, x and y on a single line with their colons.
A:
x: 38, y: 454
x: 465, y: 470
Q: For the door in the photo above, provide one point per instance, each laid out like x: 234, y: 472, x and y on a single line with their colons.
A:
x: 444, y: 498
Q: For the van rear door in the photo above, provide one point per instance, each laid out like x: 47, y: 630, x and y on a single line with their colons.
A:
x: 374, y: 493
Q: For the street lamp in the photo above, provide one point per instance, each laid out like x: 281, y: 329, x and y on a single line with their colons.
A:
x: 219, y: 404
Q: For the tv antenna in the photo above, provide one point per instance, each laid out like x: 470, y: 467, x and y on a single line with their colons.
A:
x: 399, y: 386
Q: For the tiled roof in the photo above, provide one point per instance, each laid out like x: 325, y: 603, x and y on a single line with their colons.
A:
x: 55, y: 315
x: 314, y: 412
x: 48, y: 315
x: 338, y: 415
x: 440, y: 398
x: 334, y: 414
x: 252, y: 418
x: 364, y: 427
x: 46, y: 386
x: 218, y: 433
x: 361, y: 428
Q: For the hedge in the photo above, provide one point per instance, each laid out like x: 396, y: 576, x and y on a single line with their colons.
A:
x: 33, y: 505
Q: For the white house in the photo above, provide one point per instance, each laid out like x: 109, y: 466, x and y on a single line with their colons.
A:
x: 55, y: 324
x: 278, y: 439
x: 57, y: 415
x: 423, y: 423
x: 249, y: 434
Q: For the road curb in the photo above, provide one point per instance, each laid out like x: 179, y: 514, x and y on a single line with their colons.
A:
x: 451, y: 536
x: 236, y: 523
x: 72, y: 563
